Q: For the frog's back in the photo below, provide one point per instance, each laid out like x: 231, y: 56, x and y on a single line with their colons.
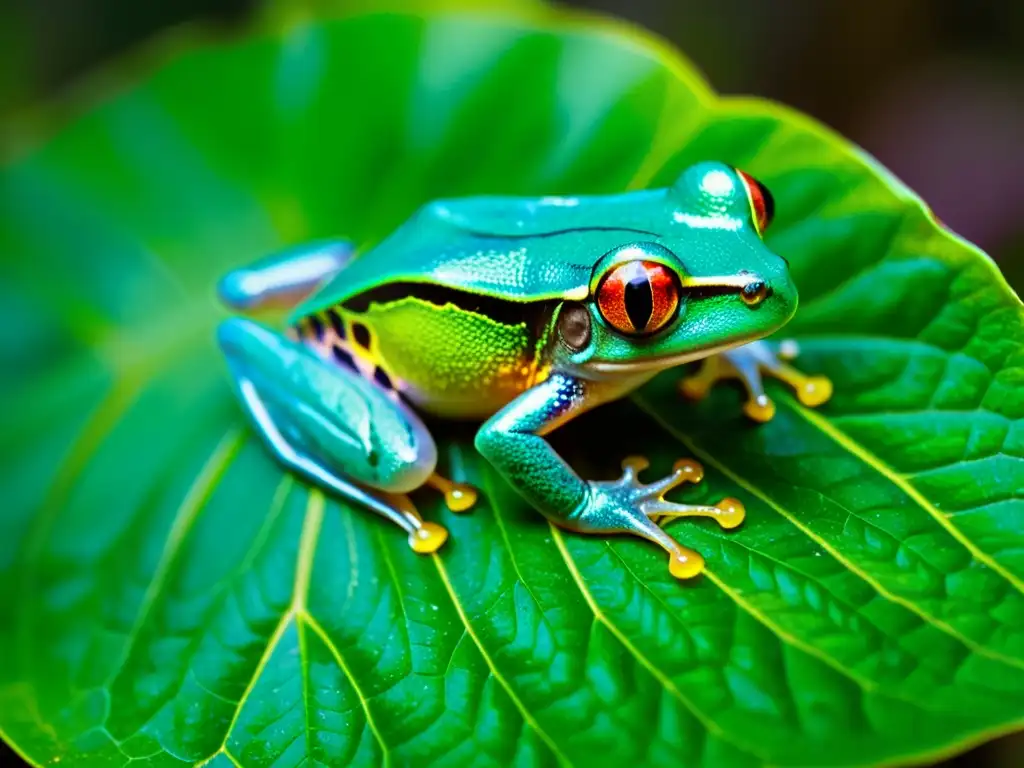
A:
x: 453, y: 310
x: 499, y: 247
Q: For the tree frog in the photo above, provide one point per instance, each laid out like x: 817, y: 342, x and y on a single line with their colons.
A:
x: 522, y: 313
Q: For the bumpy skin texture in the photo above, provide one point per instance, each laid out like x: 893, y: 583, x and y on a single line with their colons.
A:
x: 491, y: 362
x: 514, y: 438
x: 520, y: 249
x: 530, y: 311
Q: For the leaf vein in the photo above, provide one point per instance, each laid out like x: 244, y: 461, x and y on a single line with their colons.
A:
x: 188, y: 510
x: 710, y: 726
x: 901, y: 482
x: 712, y: 460
x: 340, y: 661
x: 523, y: 711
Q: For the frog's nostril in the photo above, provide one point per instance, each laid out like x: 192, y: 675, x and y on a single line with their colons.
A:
x: 754, y: 292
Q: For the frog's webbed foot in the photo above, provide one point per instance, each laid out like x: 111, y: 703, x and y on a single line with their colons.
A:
x: 749, y: 364
x: 628, y: 506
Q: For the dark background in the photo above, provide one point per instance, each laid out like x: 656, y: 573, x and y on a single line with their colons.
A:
x: 933, y: 88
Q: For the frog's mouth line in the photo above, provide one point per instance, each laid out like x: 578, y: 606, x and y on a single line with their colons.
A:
x: 663, y: 363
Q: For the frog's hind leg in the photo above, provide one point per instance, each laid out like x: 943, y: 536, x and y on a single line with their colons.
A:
x: 332, y: 426
x: 284, y: 279
x: 748, y: 364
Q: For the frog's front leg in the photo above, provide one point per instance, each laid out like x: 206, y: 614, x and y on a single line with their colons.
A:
x: 333, y: 426
x: 284, y: 278
x: 748, y: 364
x: 513, y: 441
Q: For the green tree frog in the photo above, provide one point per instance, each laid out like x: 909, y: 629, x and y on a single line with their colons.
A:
x: 522, y: 313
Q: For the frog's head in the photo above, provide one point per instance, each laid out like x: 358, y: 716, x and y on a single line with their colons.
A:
x: 706, y: 284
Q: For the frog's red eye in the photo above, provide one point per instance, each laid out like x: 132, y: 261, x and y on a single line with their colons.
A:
x: 762, y: 204
x: 638, y: 297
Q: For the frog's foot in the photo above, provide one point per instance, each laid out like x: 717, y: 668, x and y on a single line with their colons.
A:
x: 749, y: 364
x: 628, y: 506
x: 460, y: 497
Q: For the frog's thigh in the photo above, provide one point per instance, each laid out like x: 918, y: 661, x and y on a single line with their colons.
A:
x: 324, y: 413
x: 333, y: 426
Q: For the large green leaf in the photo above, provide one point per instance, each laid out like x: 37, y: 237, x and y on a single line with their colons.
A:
x: 168, y: 595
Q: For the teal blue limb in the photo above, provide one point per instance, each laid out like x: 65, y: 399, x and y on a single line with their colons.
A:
x: 285, y: 277
x: 327, y: 423
x: 512, y: 442
x: 301, y: 463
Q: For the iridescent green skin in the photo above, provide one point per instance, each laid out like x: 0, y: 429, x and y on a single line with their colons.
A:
x: 464, y: 312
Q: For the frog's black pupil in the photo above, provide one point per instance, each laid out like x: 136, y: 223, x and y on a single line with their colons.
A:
x: 639, y: 300
x: 769, y: 204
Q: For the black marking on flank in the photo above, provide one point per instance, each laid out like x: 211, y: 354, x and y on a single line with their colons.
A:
x: 382, y: 378
x: 316, y: 326
x: 337, y: 324
x: 343, y: 356
x: 639, y: 300
x: 361, y: 334
x: 504, y: 311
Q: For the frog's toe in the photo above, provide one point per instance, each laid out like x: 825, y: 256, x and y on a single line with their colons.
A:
x: 428, y: 538
x: 425, y: 537
x: 683, y: 563
x: 811, y: 391
x: 759, y: 408
x: 460, y: 497
x: 814, y: 391
x: 726, y: 366
x: 728, y: 512
x: 699, y: 384
x: 683, y: 471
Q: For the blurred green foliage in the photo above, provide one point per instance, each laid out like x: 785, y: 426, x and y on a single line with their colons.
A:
x: 931, y: 87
